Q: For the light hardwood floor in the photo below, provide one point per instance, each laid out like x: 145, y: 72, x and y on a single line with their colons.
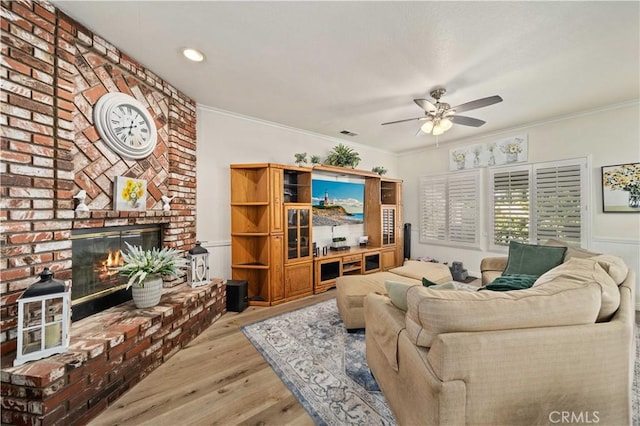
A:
x: 217, y: 379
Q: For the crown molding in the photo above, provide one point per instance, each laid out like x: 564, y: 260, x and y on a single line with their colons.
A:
x: 292, y: 129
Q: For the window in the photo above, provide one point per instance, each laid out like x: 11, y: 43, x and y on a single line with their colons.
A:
x: 511, y: 208
x: 449, y: 208
x: 533, y: 203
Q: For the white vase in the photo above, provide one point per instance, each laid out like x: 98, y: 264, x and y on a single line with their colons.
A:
x: 634, y: 199
x: 512, y: 157
x: 149, y: 295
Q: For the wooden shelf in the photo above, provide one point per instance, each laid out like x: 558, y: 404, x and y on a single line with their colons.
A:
x: 253, y: 203
x: 344, y: 170
x: 250, y: 266
x: 272, y: 232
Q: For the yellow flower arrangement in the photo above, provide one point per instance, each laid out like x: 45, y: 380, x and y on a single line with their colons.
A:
x: 133, y: 190
x: 625, y: 178
x: 459, y: 157
x: 511, y: 148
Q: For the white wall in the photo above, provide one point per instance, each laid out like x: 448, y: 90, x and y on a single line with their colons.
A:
x: 224, y: 139
x: 609, y: 136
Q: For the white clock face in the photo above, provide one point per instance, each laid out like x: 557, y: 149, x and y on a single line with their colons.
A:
x: 125, y: 125
x: 130, y: 126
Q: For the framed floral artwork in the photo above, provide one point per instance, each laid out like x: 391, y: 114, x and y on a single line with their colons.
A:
x: 129, y: 194
x: 621, y: 188
x: 503, y: 151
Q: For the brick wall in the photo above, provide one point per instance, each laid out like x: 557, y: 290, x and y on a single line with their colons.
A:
x: 53, y: 71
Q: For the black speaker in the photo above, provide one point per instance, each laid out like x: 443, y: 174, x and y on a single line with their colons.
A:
x: 237, y: 296
x: 407, y: 241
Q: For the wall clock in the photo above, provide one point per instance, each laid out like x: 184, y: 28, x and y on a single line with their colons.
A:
x: 125, y: 125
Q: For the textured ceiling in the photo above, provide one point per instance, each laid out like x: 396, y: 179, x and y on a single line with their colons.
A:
x: 329, y: 66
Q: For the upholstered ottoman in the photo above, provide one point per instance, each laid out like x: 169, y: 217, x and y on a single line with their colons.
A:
x: 352, y: 289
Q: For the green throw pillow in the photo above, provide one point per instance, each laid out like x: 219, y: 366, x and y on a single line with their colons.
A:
x: 511, y: 282
x: 427, y: 283
x: 397, y: 292
x: 532, y: 259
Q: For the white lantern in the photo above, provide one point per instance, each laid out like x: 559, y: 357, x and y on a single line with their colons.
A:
x: 198, y: 272
x: 43, y: 319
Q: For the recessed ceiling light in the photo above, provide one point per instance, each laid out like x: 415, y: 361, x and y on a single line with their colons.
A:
x: 193, y: 55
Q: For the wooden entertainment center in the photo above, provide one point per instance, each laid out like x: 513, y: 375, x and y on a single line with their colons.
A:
x: 272, y: 231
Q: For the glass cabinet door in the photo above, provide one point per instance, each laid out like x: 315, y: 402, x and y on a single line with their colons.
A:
x: 388, y: 225
x: 298, y: 232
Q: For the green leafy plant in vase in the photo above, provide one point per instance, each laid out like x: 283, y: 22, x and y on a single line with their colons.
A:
x: 145, y: 268
x: 315, y: 159
x: 301, y: 158
x: 343, y: 156
x: 379, y: 170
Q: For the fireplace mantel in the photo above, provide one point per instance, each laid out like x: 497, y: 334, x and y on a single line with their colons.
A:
x: 109, y: 353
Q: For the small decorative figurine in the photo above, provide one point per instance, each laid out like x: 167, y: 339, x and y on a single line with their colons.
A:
x: 80, y: 196
x: 166, y: 200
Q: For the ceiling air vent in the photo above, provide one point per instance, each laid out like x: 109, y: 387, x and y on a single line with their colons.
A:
x: 349, y: 133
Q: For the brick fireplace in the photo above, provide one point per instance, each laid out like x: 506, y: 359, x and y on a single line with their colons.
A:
x: 54, y: 70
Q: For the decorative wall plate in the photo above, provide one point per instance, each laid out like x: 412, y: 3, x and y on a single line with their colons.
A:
x: 125, y: 125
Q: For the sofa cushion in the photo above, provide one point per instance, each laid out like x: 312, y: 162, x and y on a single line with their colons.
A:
x: 353, y: 288
x: 397, y: 291
x: 386, y: 327
x: 511, y: 282
x: 585, y: 272
x: 572, y: 250
x: 614, y: 266
x: 532, y: 259
x: 436, y: 272
x: 432, y: 312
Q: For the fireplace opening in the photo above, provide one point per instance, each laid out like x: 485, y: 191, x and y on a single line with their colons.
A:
x: 96, y: 255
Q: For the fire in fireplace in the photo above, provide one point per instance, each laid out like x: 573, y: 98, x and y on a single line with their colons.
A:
x: 96, y: 255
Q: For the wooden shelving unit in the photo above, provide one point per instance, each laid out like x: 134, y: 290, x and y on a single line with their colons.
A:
x: 355, y: 261
x: 272, y: 233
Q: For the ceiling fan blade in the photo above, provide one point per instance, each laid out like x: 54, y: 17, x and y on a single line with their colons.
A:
x: 478, y: 103
x: 466, y: 121
x: 402, y: 121
x: 425, y: 105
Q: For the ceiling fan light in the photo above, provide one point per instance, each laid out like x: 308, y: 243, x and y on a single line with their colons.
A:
x: 438, y: 130
x: 445, y: 124
x: 427, y: 127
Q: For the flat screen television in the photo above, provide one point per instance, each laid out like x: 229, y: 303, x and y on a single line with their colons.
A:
x: 337, y: 203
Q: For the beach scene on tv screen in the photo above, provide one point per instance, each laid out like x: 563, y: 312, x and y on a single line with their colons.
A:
x: 337, y: 203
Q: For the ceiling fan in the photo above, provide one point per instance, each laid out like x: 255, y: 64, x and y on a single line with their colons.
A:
x: 441, y: 116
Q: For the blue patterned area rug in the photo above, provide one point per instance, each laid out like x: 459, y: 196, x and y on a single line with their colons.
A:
x: 325, y: 367
x: 322, y: 365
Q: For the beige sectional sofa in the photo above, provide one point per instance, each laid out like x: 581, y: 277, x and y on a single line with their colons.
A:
x: 352, y: 289
x: 524, y: 357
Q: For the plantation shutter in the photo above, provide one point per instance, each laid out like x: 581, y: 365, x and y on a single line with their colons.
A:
x: 510, y: 205
x: 558, y: 206
x: 433, y: 204
x: 463, y: 208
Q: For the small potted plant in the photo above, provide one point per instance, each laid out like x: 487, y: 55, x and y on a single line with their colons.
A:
x: 145, y: 268
x: 343, y: 156
x: 379, y: 170
x: 301, y: 158
x: 315, y: 159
